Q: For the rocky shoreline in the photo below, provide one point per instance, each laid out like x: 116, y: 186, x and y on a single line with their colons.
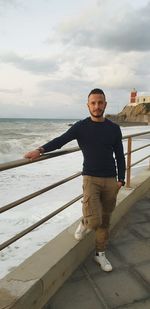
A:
x: 126, y: 123
x: 133, y: 115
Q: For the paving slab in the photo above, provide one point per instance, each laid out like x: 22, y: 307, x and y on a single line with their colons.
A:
x: 144, y: 271
x: 128, y: 285
x: 120, y: 287
x: 134, y: 252
x: 139, y: 216
x: 125, y: 235
x: 145, y: 304
x: 143, y: 229
x: 146, y: 213
x: 77, y: 294
x: 143, y: 204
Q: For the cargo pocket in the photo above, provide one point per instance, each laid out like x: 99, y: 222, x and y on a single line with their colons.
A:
x: 86, y: 206
x: 90, y: 214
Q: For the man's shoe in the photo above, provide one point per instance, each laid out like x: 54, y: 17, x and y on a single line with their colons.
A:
x: 104, y: 263
x: 81, y: 231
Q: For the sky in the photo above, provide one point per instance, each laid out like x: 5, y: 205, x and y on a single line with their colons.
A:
x: 53, y: 52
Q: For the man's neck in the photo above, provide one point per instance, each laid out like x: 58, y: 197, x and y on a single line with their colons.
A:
x: 98, y: 119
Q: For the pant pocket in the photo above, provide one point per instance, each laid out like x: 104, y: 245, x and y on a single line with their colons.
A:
x: 91, y: 216
x: 86, y: 206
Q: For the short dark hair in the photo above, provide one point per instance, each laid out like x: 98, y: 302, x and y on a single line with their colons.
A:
x: 97, y: 91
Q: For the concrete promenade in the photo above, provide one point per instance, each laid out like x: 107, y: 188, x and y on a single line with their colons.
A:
x: 128, y: 285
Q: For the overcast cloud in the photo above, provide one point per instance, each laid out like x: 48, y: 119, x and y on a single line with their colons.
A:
x: 130, y: 33
x: 36, y: 66
x: 53, y: 53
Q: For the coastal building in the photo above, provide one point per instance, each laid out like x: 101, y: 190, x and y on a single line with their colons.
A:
x: 136, y: 99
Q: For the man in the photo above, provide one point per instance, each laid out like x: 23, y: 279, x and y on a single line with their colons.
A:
x: 98, y: 139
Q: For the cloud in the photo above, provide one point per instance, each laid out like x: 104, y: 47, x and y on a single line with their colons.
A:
x: 105, y: 45
x: 130, y: 34
x: 105, y: 69
x: 68, y: 86
x: 127, y: 32
x: 11, y: 91
x: 11, y: 3
x: 33, y: 65
x: 8, y: 2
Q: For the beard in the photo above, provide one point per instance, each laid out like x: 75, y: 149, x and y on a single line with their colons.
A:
x: 98, y: 115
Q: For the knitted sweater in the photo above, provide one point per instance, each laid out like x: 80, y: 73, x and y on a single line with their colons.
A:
x: 101, y: 145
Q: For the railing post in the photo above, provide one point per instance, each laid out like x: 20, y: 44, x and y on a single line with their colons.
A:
x: 129, y: 161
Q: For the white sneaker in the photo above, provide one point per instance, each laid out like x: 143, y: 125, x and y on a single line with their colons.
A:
x: 104, y: 263
x: 81, y: 231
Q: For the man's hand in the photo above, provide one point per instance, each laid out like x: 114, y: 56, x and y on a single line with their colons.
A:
x: 32, y: 154
x: 119, y: 184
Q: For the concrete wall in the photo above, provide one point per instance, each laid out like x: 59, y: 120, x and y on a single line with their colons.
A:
x: 32, y: 283
x: 142, y: 99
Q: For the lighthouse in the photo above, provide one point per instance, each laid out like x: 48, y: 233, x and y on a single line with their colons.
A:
x: 133, y: 96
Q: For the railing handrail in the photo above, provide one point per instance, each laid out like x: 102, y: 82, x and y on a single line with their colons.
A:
x: 37, y: 193
x: 17, y: 163
x: 50, y: 187
x: 21, y: 162
x: 38, y: 223
x: 135, y: 134
x: 135, y: 163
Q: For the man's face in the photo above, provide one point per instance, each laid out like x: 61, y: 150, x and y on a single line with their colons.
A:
x: 96, y: 104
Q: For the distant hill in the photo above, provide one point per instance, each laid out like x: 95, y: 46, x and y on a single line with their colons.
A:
x: 133, y: 114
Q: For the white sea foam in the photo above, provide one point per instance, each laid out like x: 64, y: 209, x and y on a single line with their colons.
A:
x: 19, y: 136
x: 16, y: 138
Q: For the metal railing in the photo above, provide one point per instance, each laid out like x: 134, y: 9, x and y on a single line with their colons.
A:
x: 130, y: 151
x: 21, y: 162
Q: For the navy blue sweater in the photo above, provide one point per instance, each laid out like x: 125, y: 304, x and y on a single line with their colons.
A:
x: 101, y: 144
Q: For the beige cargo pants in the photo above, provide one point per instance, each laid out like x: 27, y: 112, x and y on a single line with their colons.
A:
x: 99, y: 200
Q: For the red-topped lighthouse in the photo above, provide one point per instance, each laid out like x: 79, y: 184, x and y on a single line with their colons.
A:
x: 133, y: 96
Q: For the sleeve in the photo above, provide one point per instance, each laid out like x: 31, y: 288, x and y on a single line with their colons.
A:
x: 63, y: 139
x: 119, y: 155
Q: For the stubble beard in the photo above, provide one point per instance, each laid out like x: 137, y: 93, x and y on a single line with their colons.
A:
x: 97, y: 116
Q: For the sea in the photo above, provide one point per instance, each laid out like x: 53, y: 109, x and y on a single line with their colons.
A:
x: 18, y: 136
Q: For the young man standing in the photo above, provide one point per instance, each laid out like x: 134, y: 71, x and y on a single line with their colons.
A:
x: 103, y: 175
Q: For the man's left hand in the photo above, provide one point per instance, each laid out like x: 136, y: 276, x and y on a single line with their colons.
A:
x: 119, y: 184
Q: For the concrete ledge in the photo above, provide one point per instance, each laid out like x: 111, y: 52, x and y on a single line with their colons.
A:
x: 32, y: 283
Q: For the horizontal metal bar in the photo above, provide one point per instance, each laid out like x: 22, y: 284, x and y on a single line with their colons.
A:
x: 139, y: 148
x: 16, y: 163
x: 136, y: 134
x: 32, y: 195
x: 33, y: 226
x: 139, y: 161
x: 136, y: 149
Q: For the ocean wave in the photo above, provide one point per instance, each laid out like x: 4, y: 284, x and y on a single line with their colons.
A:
x: 19, y: 136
